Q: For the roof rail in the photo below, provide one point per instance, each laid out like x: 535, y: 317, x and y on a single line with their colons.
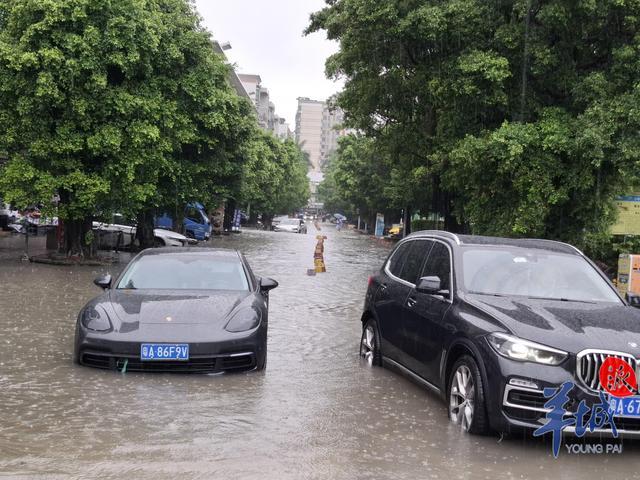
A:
x: 437, y: 233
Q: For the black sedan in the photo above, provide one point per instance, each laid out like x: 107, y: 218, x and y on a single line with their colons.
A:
x: 488, y: 323
x: 178, y: 310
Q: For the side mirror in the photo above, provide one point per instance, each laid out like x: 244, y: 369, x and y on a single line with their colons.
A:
x: 267, y: 284
x: 430, y: 285
x: 103, y: 281
x: 633, y: 299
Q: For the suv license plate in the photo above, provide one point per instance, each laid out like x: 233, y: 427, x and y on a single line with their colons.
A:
x: 625, y: 407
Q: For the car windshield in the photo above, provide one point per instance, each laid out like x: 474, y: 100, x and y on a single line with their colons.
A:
x: 185, y: 272
x: 534, y: 274
x: 290, y: 221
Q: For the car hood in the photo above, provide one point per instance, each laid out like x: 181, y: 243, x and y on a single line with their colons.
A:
x: 187, y: 308
x: 570, y: 326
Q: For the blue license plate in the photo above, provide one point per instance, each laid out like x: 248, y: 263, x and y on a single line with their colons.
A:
x: 164, y: 351
x: 625, y: 407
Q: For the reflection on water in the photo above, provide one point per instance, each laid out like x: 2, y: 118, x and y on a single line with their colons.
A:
x: 315, y: 413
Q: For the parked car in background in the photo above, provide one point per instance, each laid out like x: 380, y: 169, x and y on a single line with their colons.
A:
x: 489, y: 323
x: 5, y: 215
x: 196, y: 222
x: 291, y: 225
x: 396, y: 230
x: 30, y: 220
x: 277, y: 219
x: 197, y: 310
x: 122, y: 235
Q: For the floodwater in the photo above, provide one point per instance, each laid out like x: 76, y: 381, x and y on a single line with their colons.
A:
x: 316, y: 412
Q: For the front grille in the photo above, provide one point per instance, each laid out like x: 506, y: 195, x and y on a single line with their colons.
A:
x: 588, y: 365
x: 628, y: 424
x: 212, y: 364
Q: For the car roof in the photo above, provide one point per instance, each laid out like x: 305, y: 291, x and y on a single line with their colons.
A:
x: 201, y: 251
x: 466, y: 240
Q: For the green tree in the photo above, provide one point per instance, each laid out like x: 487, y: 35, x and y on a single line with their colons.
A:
x: 358, y: 180
x: 514, y: 117
x: 116, y: 106
x: 274, y: 179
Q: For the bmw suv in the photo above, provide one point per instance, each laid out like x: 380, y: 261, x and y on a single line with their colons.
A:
x: 488, y: 323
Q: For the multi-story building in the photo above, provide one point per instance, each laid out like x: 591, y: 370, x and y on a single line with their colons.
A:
x: 317, y: 133
x: 332, y: 120
x: 317, y: 130
x: 281, y: 129
x: 309, y: 130
x: 266, y: 110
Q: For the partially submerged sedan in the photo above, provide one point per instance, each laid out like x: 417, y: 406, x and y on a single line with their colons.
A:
x: 178, y: 310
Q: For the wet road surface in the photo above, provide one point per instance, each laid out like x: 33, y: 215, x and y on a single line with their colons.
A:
x: 317, y: 411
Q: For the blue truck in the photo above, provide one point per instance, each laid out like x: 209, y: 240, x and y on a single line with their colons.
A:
x: 196, y: 222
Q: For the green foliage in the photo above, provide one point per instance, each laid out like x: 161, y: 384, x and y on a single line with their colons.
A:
x: 274, y: 178
x: 504, y: 120
x: 117, y: 106
x: 356, y: 178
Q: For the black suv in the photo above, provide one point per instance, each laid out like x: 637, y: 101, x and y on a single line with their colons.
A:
x: 487, y: 323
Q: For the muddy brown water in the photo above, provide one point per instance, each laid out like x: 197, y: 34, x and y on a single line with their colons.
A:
x: 316, y: 412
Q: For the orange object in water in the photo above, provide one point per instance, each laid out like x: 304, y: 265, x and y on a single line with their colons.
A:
x: 320, y: 266
x: 318, y: 255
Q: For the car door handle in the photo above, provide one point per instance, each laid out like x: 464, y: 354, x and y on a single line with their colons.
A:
x: 411, y: 302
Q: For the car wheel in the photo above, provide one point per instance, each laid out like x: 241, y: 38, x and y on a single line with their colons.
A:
x: 467, y: 404
x: 157, y: 242
x: 370, y: 344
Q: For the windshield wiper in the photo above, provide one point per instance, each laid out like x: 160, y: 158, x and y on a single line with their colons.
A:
x: 486, y: 293
x: 561, y: 299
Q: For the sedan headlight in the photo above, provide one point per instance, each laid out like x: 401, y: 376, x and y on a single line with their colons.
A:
x: 525, y: 351
x: 243, y: 320
x: 96, y: 320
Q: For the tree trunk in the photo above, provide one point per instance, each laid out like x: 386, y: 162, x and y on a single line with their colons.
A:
x: 229, y: 213
x: 144, y: 229
x: 406, y: 221
x: 267, y: 220
x: 253, y: 218
x: 451, y: 223
x: 178, y: 223
x: 76, y: 240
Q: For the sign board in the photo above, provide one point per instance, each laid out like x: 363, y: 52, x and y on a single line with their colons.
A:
x: 628, y: 273
x: 628, y: 222
x: 237, y: 218
x: 379, y: 225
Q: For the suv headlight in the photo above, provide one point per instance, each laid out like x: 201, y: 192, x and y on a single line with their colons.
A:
x: 96, y: 320
x: 243, y: 320
x: 525, y: 351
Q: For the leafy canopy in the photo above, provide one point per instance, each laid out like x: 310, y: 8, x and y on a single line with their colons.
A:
x: 508, y: 117
x: 116, y: 105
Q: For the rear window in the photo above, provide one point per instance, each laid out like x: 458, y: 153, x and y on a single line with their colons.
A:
x: 185, y: 272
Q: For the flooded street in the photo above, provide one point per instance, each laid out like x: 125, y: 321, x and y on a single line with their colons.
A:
x: 316, y: 412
